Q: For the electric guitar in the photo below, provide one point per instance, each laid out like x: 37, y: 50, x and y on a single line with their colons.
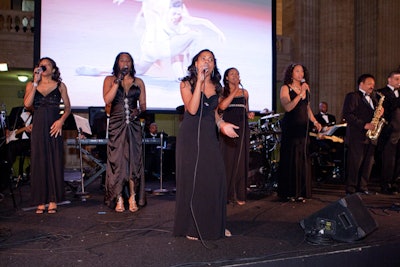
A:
x: 332, y: 138
x: 12, y: 135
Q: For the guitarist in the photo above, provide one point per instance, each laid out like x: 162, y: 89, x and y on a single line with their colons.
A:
x: 323, y: 117
x: 18, y: 132
x: 324, y: 148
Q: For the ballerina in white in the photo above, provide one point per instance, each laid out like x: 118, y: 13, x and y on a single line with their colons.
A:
x: 168, y: 31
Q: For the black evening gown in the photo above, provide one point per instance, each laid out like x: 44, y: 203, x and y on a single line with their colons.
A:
x: 124, y: 148
x: 200, y: 176
x: 47, y: 164
x: 294, y: 178
x: 236, y: 150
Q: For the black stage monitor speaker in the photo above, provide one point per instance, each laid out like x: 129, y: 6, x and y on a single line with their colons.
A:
x: 345, y: 220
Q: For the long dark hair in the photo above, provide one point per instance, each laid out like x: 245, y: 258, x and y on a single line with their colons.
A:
x: 227, y: 89
x: 215, y: 75
x: 116, y: 68
x: 56, y: 75
x: 287, y: 77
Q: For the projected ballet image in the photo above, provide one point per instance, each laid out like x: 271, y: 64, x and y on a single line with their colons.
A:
x: 162, y: 36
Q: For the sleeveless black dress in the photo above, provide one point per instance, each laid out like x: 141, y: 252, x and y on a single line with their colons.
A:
x: 294, y: 178
x: 200, y: 176
x: 124, y: 147
x: 236, y: 150
x: 47, y: 164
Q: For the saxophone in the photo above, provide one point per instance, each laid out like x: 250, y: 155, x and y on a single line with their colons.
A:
x: 377, y: 121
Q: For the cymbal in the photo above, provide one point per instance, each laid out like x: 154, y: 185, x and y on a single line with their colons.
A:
x: 270, y: 116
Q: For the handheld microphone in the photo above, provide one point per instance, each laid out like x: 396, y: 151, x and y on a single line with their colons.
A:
x: 308, y: 89
x: 40, y: 69
x: 124, y: 70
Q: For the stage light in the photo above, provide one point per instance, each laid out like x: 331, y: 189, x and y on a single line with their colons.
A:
x: 3, y: 67
x: 22, y: 78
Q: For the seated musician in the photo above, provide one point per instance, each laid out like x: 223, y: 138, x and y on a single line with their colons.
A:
x: 18, y: 141
x: 152, y: 152
x: 324, y: 147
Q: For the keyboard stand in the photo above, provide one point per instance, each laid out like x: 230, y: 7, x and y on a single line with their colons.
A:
x: 98, y: 172
x: 83, y: 152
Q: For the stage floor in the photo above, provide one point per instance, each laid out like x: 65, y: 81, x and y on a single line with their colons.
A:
x: 266, y: 232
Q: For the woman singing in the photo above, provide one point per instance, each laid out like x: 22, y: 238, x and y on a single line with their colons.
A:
x: 294, y: 182
x: 235, y: 107
x: 127, y: 96
x: 45, y: 94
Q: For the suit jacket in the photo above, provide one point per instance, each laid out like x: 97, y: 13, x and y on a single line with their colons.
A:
x: 391, y: 104
x: 357, y: 112
x: 320, y: 119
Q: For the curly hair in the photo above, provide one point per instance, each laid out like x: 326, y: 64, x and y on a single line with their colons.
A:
x: 227, y: 90
x: 192, y: 72
x: 287, y: 78
x: 56, y: 75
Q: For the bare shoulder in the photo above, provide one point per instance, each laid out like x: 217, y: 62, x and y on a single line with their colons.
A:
x: 139, y: 81
x: 62, y: 86
x: 184, y: 84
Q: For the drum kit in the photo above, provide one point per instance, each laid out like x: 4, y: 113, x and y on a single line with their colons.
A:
x: 265, y: 137
x: 265, y: 134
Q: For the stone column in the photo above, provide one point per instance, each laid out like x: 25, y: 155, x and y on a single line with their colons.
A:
x: 336, y: 54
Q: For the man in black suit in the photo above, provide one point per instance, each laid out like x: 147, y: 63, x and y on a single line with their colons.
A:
x: 323, y: 117
x: 325, y: 150
x: 358, y: 111
x: 389, y: 138
x: 152, y: 152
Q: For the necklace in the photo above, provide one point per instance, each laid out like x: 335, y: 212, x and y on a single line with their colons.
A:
x: 295, y: 88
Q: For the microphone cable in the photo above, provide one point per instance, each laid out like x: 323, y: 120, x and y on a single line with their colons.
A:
x: 307, y: 167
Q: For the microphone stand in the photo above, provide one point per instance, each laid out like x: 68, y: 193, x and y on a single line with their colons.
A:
x: 161, y: 191
x: 84, y: 195
x: 142, y: 189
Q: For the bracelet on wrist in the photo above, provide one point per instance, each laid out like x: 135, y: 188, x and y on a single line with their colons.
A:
x: 117, y: 81
x: 219, y: 123
x: 35, y: 84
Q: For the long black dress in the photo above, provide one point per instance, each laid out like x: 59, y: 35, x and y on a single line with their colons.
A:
x: 200, y: 176
x: 236, y: 150
x: 124, y: 148
x: 47, y: 164
x: 294, y: 165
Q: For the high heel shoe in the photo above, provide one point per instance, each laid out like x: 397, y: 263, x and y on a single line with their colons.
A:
x: 40, y: 209
x: 120, y: 205
x: 52, y: 208
x: 132, y: 204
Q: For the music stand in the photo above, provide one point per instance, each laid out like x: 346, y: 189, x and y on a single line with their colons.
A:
x: 161, y: 191
x: 82, y: 124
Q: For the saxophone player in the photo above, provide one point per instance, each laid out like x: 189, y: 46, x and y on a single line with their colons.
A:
x: 389, y: 138
x: 358, y: 111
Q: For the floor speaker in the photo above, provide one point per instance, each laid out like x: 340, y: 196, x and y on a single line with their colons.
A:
x: 345, y: 220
